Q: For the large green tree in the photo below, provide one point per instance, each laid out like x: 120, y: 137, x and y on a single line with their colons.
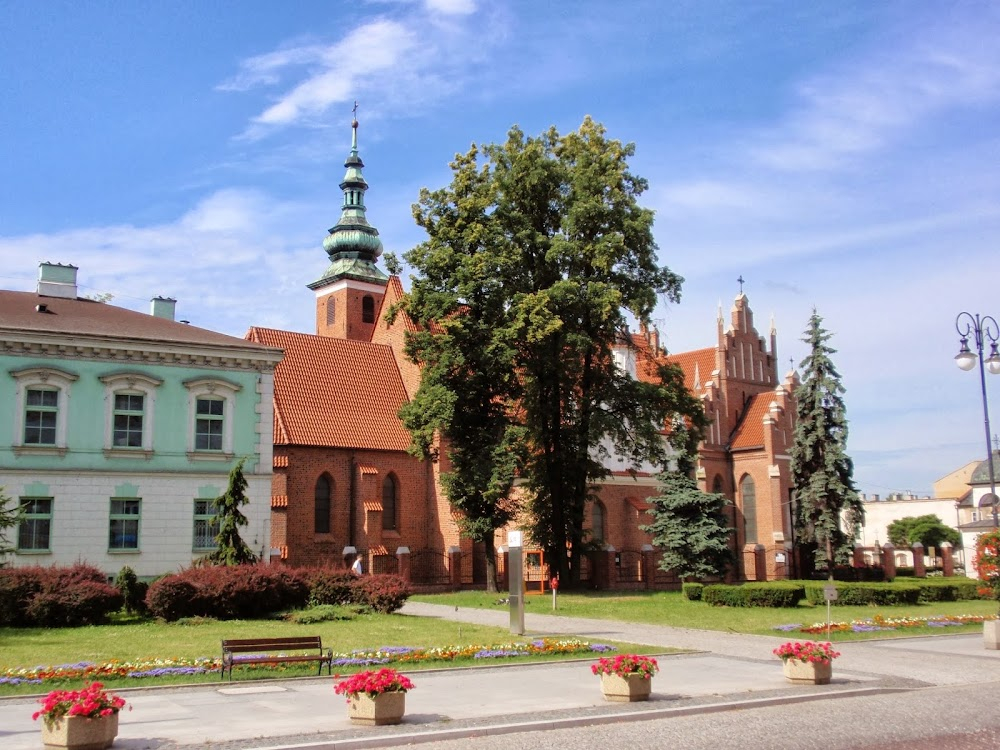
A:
x: 549, y: 251
x: 691, y: 528
x: 928, y: 529
x: 232, y: 550
x: 822, y: 472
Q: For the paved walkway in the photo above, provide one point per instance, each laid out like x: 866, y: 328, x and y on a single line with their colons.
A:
x: 727, y: 671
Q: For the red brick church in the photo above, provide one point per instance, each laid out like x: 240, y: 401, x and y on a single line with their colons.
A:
x: 343, y: 481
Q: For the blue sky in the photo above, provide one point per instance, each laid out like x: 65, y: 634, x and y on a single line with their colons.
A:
x: 842, y: 155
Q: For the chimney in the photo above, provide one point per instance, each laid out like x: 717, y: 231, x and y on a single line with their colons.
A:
x: 874, y: 498
x: 162, y: 307
x: 57, y: 280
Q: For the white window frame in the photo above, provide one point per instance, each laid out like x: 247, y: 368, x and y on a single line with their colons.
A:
x: 46, y: 378
x: 211, y: 388
x: 129, y: 384
x: 211, y: 518
x: 34, y: 517
x: 137, y: 517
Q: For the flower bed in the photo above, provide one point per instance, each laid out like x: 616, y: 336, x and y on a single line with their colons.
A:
x: 142, y: 669
x: 878, y: 622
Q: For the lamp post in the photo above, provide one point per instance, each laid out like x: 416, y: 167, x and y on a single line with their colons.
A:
x: 981, y: 327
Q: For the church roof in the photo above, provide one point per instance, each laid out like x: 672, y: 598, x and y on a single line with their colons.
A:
x: 335, y: 393
x: 750, y: 432
x: 982, y: 473
x: 698, y: 366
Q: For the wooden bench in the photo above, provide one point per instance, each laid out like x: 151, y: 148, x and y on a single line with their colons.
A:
x: 274, y: 651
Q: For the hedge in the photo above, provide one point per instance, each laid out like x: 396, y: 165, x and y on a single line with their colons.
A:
x: 693, y: 591
x: 860, y: 594
x: 56, y: 596
x: 777, y: 594
x: 951, y: 589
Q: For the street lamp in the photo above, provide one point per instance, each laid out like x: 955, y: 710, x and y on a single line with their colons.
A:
x: 981, y: 327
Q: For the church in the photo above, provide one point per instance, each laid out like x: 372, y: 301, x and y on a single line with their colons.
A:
x: 344, y: 484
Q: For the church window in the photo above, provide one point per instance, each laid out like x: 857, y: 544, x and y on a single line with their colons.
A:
x: 597, y: 522
x: 748, y: 495
x: 368, y: 309
x: 389, y: 496
x: 717, y: 485
x: 331, y: 312
x: 321, y: 520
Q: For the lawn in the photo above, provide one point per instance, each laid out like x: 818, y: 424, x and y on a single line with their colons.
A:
x: 672, y: 608
x: 134, y: 644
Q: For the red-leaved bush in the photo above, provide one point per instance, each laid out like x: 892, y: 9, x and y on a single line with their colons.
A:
x: 383, y: 593
x: 57, y: 596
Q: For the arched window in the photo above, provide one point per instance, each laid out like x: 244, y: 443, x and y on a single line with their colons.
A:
x: 321, y: 519
x: 367, y: 309
x: 748, y: 496
x: 389, y: 503
x: 597, y: 522
x: 717, y: 485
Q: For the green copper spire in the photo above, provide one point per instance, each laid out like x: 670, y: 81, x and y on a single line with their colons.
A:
x: 353, y: 244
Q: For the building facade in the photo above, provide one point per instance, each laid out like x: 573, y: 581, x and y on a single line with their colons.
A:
x: 122, y: 427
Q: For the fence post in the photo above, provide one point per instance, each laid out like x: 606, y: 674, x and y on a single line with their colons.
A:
x: 648, y: 565
x: 859, y: 556
x: 947, y: 559
x: 455, y: 566
x: 918, y: 560
x: 889, y: 560
x: 760, y: 562
x: 403, y: 562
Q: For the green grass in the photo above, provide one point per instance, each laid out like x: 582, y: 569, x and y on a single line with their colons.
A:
x: 673, y: 609
x: 134, y: 640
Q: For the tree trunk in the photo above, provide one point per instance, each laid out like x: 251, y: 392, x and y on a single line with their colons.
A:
x: 491, y: 563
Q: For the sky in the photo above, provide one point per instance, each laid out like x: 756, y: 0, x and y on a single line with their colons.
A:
x: 842, y: 156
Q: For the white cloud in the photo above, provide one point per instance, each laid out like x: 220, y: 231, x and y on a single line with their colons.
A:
x: 452, y: 7
x: 862, y: 105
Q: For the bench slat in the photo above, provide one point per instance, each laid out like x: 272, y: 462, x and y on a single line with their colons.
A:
x: 255, y: 646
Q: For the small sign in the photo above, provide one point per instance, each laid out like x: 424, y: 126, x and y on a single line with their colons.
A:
x: 830, y: 593
x: 514, y: 538
x: 780, y: 557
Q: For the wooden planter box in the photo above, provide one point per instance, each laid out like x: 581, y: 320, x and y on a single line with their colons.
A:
x: 625, y: 689
x: 807, y: 672
x: 79, y: 733
x: 385, y: 708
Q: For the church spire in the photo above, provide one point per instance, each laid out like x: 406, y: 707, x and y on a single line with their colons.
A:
x: 353, y: 244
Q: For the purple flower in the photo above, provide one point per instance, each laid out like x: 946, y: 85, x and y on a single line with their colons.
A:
x: 601, y: 647
x: 788, y: 628
x: 497, y: 653
x: 347, y: 661
x: 941, y: 623
x: 161, y: 671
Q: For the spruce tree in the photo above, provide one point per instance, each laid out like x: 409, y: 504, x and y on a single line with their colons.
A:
x: 822, y: 472
x: 10, y: 516
x: 232, y: 550
x: 690, y: 528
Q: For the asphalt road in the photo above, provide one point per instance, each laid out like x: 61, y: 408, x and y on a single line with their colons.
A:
x: 937, y: 718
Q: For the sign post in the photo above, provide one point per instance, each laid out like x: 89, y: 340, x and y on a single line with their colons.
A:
x: 830, y: 594
x: 554, y: 585
x: 515, y: 576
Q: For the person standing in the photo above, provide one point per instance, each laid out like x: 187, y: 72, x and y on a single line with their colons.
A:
x: 356, y: 566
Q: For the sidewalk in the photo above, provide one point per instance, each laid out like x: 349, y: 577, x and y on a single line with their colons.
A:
x: 738, y: 672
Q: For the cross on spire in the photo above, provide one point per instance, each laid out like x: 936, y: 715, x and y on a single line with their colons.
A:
x: 996, y: 442
x: 355, y: 109
x: 741, y: 280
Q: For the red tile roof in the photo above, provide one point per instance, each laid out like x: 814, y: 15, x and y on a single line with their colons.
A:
x: 335, y: 393
x: 280, y: 462
x: 750, y: 433
x: 704, y: 359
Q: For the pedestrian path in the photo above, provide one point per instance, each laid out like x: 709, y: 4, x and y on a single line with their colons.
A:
x: 726, y: 671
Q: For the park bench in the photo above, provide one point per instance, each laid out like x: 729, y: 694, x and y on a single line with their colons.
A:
x: 274, y: 651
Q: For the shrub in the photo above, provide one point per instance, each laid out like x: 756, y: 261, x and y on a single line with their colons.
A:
x: 17, y: 587
x: 382, y: 593
x: 171, y: 598
x: 133, y: 590
x: 778, y: 594
x: 73, y: 604
x: 692, y: 591
x: 860, y: 594
x: 329, y: 585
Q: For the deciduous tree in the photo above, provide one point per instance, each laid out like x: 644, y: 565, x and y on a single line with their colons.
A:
x: 928, y: 529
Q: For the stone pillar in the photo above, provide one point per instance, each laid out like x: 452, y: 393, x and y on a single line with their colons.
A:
x: 455, y: 566
x: 859, y: 556
x: 648, y: 565
x: 760, y: 562
x: 889, y: 560
x: 750, y: 562
x: 947, y: 559
x: 403, y: 561
x: 919, y: 570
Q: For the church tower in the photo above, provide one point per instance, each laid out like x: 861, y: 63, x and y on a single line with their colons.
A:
x: 349, y: 294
